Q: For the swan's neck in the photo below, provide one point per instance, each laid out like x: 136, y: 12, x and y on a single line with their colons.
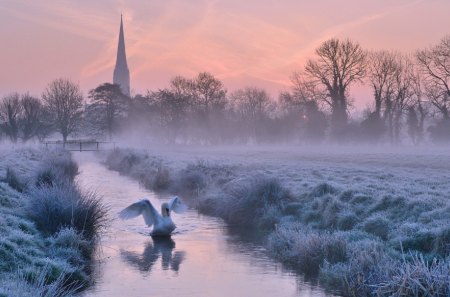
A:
x: 165, y: 211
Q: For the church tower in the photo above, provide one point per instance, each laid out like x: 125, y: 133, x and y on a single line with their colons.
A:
x: 121, y: 73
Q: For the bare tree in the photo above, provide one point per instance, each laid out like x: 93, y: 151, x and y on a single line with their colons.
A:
x: 250, y: 102
x: 418, y: 105
x: 32, y: 121
x: 210, y: 102
x: 434, y: 63
x: 10, y: 113
x: 302, y: 108
x: 382, y: 68
x: 397, y: 91
x: 339, y: 64
x: 404, y: 92
x: 64, y: 100
x: 252, y: 105
x: 400, y: 96
x: 303, y: 90
x: 175, y: 106
x: 210, y: 92
x: 413, y: 124
x: 381, y: 75
x: 183, y: 87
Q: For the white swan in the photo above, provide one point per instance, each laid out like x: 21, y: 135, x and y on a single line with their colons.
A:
x: 162, y: 223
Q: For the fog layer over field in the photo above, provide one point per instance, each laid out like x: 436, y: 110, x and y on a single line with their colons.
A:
x: 366, y: 221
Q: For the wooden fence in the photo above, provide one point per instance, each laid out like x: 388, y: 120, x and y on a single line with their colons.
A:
x: 81, y: 145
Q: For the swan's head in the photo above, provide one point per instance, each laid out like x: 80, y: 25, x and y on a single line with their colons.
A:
x: 165, y: 210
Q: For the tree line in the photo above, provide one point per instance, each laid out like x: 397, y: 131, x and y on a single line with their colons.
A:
x: 410, y: 103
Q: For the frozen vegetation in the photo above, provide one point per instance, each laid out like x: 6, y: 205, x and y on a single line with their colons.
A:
x: 48, y: 227
x: 369, y: 223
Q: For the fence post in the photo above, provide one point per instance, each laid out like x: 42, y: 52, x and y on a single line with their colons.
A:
x: 80, y: 145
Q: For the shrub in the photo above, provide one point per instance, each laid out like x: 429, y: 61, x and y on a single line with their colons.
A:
x: 65, y: 206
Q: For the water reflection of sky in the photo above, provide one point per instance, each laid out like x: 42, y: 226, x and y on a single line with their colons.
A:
x: 203, y: 257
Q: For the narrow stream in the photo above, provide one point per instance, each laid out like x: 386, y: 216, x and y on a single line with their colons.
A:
x: 202, y: 258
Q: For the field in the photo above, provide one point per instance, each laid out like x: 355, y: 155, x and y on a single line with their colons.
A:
x: 366, y: 221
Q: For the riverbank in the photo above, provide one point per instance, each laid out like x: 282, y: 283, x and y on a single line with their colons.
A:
x: 365, y: 223
x: 46, y: 244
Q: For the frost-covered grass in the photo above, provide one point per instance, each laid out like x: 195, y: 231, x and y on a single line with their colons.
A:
x: 61, y: 206
x: 21, y: 284
x: 368, y: 222
x: 56, y: 172
x: 305, y: 249
x: 45, y: 249
x: 259, y: 202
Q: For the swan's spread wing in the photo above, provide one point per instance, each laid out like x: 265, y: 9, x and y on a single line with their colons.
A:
x: 144, y: 208
x: 177, y: 205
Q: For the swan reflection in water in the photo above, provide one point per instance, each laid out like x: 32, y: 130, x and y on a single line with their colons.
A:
x: 159, y: 246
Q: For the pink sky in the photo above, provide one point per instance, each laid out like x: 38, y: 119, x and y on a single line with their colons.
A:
x: 251, y: 42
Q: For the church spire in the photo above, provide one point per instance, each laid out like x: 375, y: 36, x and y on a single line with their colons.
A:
x: 121, y: 73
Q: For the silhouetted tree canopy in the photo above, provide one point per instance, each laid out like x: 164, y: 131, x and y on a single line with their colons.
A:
x: 410, y: 102
x: 110, y: 104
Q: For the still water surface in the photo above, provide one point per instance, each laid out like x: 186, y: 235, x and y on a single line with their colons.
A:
x: 202, y: 258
